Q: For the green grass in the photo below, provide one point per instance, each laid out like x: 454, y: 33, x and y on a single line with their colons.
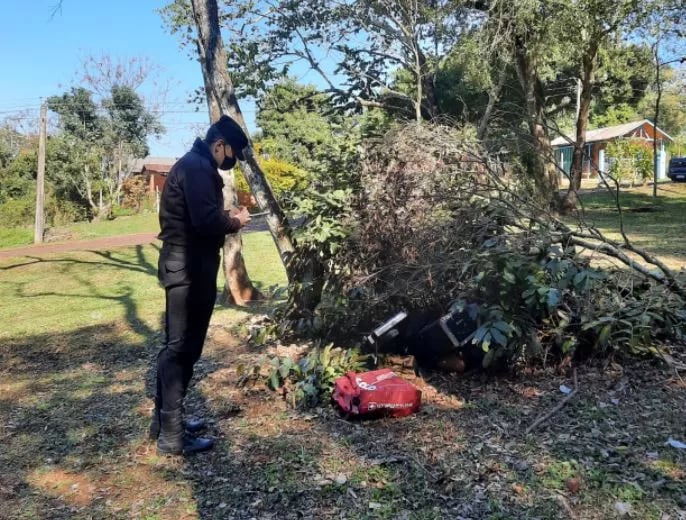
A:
x: 660, y: 229
x: 125, y: 225
x: 121, y: 225
x: 77, y: 355
x: 62, y: 292
x: 14, y: 237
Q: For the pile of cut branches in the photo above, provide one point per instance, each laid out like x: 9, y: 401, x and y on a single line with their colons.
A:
x: 438, y: 223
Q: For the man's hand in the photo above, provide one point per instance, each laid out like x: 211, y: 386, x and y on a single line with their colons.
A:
x: 241, y: 213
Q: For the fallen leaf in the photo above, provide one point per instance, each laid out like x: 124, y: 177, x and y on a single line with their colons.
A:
x: 573, y: 485
x: 518, y: 488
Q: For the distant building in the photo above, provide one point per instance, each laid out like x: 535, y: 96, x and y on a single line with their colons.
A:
x: 596, y: 160
x: 154, y: 170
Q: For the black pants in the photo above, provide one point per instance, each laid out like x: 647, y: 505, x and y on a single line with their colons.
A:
x: 189, y: 277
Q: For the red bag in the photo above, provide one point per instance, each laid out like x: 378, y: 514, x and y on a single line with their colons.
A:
x: 380, y: 392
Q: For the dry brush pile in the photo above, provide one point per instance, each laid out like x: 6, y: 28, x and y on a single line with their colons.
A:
x: 435, y: 223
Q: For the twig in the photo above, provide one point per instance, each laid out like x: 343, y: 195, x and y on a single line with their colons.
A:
x: 565, y: 504
x: 556, y: 409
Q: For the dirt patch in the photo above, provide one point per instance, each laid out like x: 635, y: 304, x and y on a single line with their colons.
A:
x: 79, y: 449
x: 98, y: 244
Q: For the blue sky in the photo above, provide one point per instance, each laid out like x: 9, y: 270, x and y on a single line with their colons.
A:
x: 41, y: 54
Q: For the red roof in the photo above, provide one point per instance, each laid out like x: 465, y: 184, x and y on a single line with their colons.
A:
x: 157, y: 168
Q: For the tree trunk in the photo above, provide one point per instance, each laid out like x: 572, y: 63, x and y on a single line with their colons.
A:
x: 222, y: 99
x: 493, y: 96
x: 545, y: 177
x: 238, y: 290
x: 213, y: 60
x: 576, y: 171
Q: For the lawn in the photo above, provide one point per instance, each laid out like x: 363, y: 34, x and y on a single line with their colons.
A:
x: 657, y: 225
x: 122, y: 225
x: 77, y: 349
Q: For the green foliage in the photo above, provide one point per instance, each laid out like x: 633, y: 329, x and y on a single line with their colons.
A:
x: 61, y: 212
x: 18, y: 212
x: 556, y: 302
x: 309, y: 381
x: 300, y: 126
x: 17, y: 179
x: 628, y: 73
x: 631, y: 160
x: 17, y: 236
x: 615, y: 115
x: 78, y: 114
x: 285, y: 178
x: 97, y: 144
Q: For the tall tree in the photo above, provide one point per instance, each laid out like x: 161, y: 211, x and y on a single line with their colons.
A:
x: 102, y: 141
x: 200, y: 18
x: 356, y: 48
x: 299, y: 124
x: 592, y: 28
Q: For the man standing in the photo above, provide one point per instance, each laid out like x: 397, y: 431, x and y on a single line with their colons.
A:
x: 193, y: 226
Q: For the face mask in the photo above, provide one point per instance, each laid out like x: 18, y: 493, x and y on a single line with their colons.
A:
x: 227, y: 163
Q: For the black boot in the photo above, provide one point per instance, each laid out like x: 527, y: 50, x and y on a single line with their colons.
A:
x: 173, y: 440
x: 190, y: 425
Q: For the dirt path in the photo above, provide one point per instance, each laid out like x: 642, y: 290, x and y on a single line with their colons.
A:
x: 97, y: 244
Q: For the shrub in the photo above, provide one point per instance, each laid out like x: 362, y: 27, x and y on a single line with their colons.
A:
x: 18, y: 212
x: 63, y: 212
x: 284, y: 178
x: 135, y: 191
x: 631, y: 160
x: 434, y: 223
x: 310, y: 380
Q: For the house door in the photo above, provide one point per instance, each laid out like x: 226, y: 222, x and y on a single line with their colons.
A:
x: 601, y: 164
x: 564, y: 159
x: 661, y: 161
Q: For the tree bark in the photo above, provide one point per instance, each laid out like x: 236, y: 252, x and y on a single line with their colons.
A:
x: 493, y: 96
x: 238, y: 289
x: 546, y: 178
x: 576, y: 171
x: 213, y: 60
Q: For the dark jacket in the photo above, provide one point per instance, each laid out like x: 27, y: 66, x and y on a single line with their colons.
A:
x: 192, y: 204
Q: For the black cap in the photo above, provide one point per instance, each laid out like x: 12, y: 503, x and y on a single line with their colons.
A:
x: 232, y: 133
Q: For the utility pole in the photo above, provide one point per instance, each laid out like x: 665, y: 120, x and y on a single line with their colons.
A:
x: 40, y: 179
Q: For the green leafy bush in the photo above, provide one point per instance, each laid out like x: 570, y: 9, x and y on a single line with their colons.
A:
x: 556, y: 305
x: 631, y: 160
x: 60, y: 212
x: 427, y: 225
x: 309, y: 381
x: 17, y: 212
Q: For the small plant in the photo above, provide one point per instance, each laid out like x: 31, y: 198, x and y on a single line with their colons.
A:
x: 631, y: 160
x: 310, y: 380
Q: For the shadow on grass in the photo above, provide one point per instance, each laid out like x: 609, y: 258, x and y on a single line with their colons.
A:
x: 660, y: 229
x: 72, y: 411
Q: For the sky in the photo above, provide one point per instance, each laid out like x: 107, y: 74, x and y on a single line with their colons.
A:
x: 41, y: 56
